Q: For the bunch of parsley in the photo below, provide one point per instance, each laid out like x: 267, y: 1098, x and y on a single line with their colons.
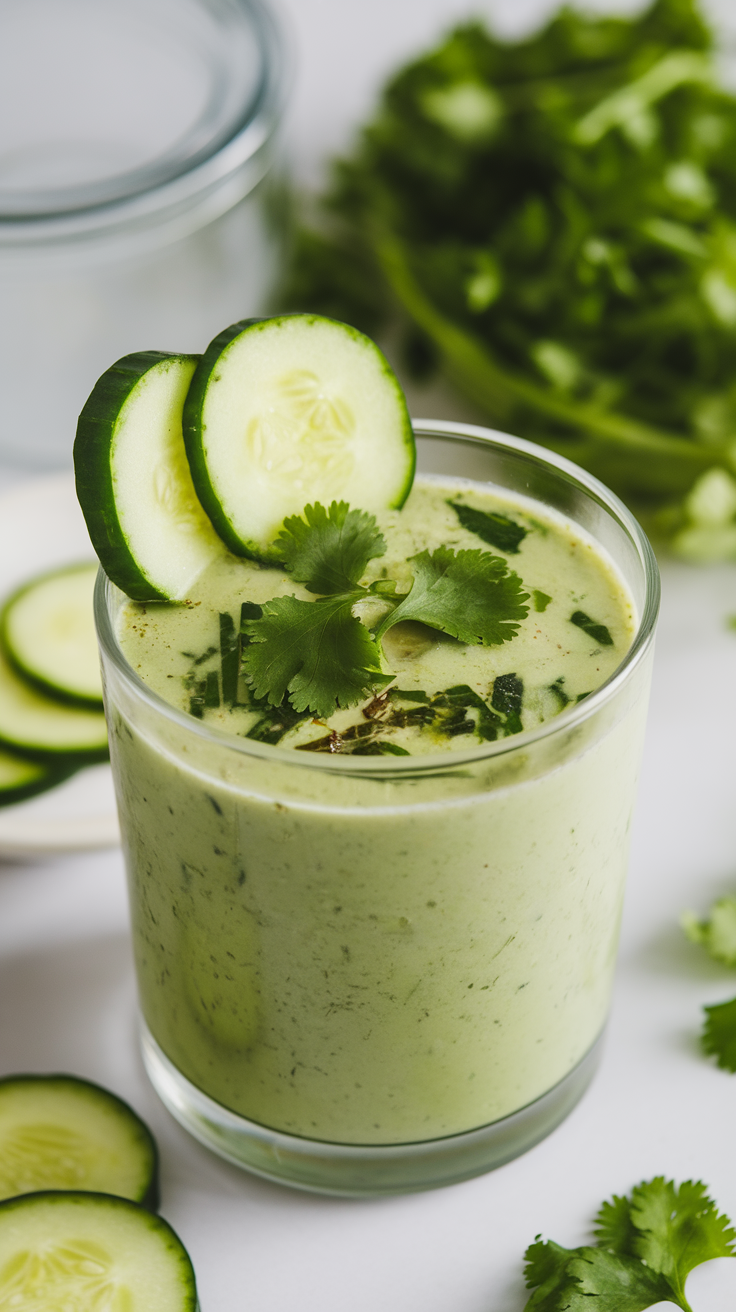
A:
x: 646, y: 1245
x: 553, y: 223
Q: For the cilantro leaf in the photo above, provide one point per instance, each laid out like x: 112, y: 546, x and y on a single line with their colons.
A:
x: 317, y: 651
x: 614, y: 1228
x: 719, y: 1034
x: 471, y: 595
x: 541, y: 600
x: 646, y: 1246
x: 497, y: 530
x: 328, y: 550
x: 678, y: 1229
x: 717, y: 934
x: 546, y: 1267
x: 619, y: 1284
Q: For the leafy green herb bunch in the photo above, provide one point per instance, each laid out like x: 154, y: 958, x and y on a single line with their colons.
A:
x: 552, y: 222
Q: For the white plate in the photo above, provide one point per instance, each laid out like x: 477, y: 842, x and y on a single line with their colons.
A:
x: 41, y: 527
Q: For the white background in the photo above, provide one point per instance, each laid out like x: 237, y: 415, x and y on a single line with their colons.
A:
x: 657, y: 1106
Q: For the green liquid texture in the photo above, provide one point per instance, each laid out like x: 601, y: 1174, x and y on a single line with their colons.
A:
x: 371, y: 962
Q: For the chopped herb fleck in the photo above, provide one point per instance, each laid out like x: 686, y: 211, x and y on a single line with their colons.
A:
x: 598, y: 632
x: 229, y: 659
x: 541, y: 600
x: 508, y: 694
x: 497, y: 530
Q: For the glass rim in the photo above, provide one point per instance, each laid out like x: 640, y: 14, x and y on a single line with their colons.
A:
x: 144, y: 193
x: 393, y: 767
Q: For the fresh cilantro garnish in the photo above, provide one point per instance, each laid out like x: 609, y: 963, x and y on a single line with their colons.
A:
x: 320, y: 654
x: 598, y: 632
x: 541, y: 600
x: 317, y: 651
x: 328, y: 550
x: 717, y: 934
x: 468, y: 594
x: 497, y: 530
x: 646, y: 1246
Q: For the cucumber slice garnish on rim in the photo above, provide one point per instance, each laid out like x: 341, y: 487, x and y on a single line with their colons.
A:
x: 287, y: 411
x: 37, y: 726
x: 68, y: 1250
x: 47, y: 629
x: 60, y: 1132
x: 133, y: 482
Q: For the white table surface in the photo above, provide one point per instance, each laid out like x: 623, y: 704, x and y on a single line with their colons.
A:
x: 657, y: 1106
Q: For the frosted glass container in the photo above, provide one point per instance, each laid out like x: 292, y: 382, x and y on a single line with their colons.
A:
x: 139, y: 205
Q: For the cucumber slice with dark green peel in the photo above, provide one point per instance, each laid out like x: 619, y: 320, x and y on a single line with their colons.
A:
x: 48, y: 631
x: 64, y: 1251
x: 149, y: 531
x: 288, y: 411
x: 21, y: 778
x: 60, y: 1132
x: 44, y: 729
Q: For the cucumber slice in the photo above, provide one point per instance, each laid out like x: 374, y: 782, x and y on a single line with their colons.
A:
x: 151, y: 534
x: 287, y: 411
x: 42, y: 728
x: 48, y: 631
x: 90, y: 1253
x: 60, y: 1132
x: 20, y: 778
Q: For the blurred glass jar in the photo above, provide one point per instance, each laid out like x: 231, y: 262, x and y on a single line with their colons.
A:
x: 139, y: 206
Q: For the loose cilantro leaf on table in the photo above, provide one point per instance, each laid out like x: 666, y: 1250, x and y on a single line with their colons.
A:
x: 320, y: 655
x: 719, y: 1034
x: 646, y: 1246
x: 717, y: 934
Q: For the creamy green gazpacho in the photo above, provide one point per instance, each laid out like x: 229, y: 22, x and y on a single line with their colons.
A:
x: 376, y: 927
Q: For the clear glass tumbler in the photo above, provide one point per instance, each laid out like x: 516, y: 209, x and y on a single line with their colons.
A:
x: 138, y: 202
x: 378, y: 974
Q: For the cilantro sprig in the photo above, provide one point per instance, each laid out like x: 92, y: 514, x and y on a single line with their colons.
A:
x: 646, y: 1245
x: 320, y: 655
x: 717, y: 935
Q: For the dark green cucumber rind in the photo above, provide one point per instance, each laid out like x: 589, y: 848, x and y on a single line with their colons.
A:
x: 66, y: 759
x: 30, y: 676
x: 24, y: 1202
x: 193, y: 434
x: 150, y: 1197
x: 193, y: 443
x: 53, y: 775
x: 93, y: 471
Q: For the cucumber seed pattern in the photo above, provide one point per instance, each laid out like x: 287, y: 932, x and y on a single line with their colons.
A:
x: 174, y: 493
x: 304, y: 434
x: 43, y: 1157
x: 77, y: 1276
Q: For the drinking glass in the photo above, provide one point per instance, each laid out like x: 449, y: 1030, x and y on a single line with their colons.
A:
x: 366, y: 974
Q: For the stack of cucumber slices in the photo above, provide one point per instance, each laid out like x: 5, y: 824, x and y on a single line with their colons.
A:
x: 78, y: 1189
x: 51, y: 719
x: 179, y: 457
